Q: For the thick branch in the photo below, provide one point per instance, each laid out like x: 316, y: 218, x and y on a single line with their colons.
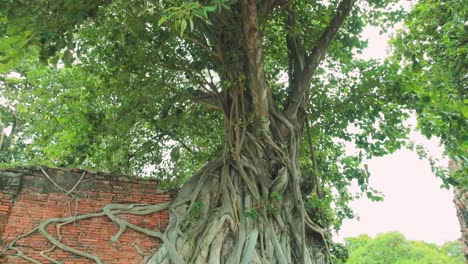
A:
x: 312, y: 60
x: 254, y: 51
x: 207, y: 99
x: 317, y: 54
x: 294, y: 44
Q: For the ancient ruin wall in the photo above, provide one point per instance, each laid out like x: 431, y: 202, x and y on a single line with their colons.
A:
x: 27, y: 196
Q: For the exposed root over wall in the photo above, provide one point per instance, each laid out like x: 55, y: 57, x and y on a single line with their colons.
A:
x: 73, y: 230
x: 112, y: 211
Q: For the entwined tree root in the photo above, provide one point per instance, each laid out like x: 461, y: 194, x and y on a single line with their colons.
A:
x: 239, y: 218
x: 110, y: 210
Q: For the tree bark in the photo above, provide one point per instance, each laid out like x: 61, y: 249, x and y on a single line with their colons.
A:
x: 461, y: 205
x: 245, y: 207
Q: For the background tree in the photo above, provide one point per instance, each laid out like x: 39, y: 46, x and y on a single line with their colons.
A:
x: 265, y: 93
x: 393, y: 248
x: 432, y: 54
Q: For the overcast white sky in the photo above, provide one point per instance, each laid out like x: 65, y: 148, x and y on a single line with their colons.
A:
x: 414, y: 203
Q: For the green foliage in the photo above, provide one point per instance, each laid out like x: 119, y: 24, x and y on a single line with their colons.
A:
x: 268, y: 204
x: 432, y: 53
x: 253, y: 214
x: 37, y: 28
x: 195, y: 216
x: 274, y: 203
x: 454, y: 250
x: 339, y: 253
x: 196, y: 211
x: 110, y: 85
x: 393, y: 248
x: 353, y: 243
x: 185, y: 13
x: 320, y: 207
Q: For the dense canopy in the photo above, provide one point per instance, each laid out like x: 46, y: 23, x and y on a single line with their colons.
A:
x: 270, y: 94
x: 393, y: 248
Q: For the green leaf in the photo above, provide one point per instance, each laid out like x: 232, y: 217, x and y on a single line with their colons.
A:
x: 183, y: 26
x: 209, y: 8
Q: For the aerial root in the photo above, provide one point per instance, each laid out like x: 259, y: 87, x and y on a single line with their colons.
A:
x: 110, y: 210
x: 234, y: 224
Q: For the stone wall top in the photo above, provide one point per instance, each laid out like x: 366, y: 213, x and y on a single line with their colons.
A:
x: 58, y: 180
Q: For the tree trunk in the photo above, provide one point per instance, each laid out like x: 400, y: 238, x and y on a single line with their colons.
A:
x: 461, y: 205
x: 246, y: 206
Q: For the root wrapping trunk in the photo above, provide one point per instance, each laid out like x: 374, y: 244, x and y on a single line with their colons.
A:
x: 244, y: 207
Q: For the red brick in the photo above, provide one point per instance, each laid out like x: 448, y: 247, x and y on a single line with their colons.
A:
x: 92, y: 235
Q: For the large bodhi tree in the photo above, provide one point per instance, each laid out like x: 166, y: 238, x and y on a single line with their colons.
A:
x: 277, y: 79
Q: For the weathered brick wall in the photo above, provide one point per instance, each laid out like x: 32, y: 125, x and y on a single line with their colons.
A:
x: 27, y: 196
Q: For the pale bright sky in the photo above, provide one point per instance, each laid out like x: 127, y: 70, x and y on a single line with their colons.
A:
x: 414, y: 203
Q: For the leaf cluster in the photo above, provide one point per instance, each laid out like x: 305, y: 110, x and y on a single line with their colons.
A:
x: 394, y: 248
x: 119, y: 83
x: 432, y: 53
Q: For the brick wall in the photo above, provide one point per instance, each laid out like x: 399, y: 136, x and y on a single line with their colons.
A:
x: 27, y: 196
